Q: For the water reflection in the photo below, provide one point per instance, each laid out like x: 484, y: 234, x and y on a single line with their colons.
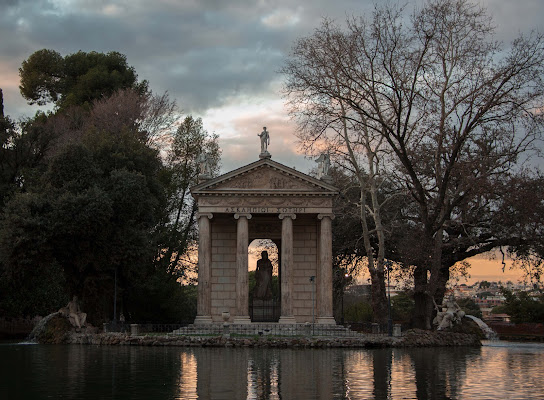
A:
x: 441, y: 374
x: 263, y: 377
x: 88, y: 372
x: 327, y: 374
x: 188, y: 376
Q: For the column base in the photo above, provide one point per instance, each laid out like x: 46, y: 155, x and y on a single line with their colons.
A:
x: 287, y: 320
x: 326, y: 321
x: 242, y: 319
x: 203, y: 320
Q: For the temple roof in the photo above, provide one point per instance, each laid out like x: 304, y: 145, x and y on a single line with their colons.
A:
x: 264, y: 177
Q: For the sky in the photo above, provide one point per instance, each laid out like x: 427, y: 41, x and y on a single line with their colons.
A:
x: 219, y: 59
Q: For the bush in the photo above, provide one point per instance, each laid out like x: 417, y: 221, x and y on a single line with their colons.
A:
x: 358, y: 312
x: 161, y: 299
x: 402, y: 307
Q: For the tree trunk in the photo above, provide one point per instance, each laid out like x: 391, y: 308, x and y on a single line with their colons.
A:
x: 422, y: 300
x: 442, y: 281
x: 378, y: 296
x: 428, y: 289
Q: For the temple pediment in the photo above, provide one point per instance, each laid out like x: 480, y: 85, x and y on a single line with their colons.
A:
x: 264, y: 177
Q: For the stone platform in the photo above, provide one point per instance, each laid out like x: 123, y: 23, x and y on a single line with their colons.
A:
x: 267, y: 329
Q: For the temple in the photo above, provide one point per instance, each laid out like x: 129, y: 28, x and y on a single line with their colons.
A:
x: 265, y: 200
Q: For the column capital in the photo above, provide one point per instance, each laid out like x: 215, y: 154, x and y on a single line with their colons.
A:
x: 207, y: 215
x: 321, y: 216
x: 238, y: 215
x: 287, y: 215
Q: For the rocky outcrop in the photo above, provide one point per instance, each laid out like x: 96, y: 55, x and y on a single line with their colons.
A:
x: 57, y: 329
x: 53, y: 329
x: 422, y: 338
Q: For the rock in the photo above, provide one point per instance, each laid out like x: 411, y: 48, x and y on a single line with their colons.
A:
x: 54, y: 331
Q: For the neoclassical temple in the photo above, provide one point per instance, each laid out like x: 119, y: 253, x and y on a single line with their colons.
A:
x: 265, y: 200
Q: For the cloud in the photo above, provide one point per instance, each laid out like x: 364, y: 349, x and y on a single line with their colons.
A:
x: 282, y: 18
x: 238, y: 125
x: 513, y: 18
x: 217, y: 58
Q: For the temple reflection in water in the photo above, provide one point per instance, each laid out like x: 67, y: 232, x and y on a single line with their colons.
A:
x: 499, y: 370
x: 215, y: 373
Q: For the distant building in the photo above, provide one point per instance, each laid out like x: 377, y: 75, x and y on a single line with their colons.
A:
x: 358, y: 290
x: 498, y: 318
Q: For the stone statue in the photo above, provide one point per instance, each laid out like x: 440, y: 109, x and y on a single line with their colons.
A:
x: 265, y: 141
x: 263, y: 278
x: 74, y: 314
x: 450, y: 314
x: 204, y: 163
x: 324, y: 165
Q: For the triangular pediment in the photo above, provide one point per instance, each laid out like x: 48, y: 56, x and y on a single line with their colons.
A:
x: 265, y: 177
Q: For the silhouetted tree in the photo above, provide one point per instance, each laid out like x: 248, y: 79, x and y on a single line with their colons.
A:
x: 448, y: 112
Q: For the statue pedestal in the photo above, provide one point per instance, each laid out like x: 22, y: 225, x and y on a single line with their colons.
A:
x: 204, y: 177
x: 266, y: 154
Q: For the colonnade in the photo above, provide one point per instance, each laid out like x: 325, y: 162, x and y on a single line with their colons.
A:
x: 323, y: 271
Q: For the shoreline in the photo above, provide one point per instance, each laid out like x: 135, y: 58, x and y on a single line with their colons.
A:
x: 412, y: 338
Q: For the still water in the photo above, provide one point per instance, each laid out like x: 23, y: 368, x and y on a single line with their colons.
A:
x: 498, y: 370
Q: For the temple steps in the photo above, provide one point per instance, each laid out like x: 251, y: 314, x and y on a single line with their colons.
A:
x: 267, y: 329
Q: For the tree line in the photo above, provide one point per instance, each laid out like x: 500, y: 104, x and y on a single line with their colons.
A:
x: 94, y: 196
x: 429, y: 121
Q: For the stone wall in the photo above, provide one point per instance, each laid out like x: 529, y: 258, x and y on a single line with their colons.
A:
x: 305, y: 265
x: 223, y: 271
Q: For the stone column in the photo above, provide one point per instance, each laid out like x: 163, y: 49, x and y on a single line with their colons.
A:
x: 242, y: 287
x: 203, y: 313
x: 324, y: 273
x: 287, y: 269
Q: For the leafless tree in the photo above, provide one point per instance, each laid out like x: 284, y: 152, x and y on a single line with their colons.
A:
x: 456, y: 110
x: 152, y: 116
x: 181, y: 170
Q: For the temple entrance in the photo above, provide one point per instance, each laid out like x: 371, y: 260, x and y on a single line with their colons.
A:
x: 264, y: 281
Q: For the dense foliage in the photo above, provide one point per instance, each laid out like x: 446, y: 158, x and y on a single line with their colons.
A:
x: 522, y: 307
x: 89, y: 194
x: 77, y: 79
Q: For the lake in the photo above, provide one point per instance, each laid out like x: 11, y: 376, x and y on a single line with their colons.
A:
x: 498, y: 370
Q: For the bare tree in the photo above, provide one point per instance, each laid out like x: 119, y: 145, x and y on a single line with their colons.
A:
x: 152, y: 116
x: 360, y: 152
x: 456, y: 110
x: 178, y: 231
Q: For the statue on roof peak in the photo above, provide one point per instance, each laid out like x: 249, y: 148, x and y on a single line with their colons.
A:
x: 265, y: 141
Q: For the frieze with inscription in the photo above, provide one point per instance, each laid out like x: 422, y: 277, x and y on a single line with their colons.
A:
x: 265, y: 210
x: 264, y: 202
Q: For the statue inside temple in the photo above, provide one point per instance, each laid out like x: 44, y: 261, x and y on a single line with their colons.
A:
x: 263, y: 278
